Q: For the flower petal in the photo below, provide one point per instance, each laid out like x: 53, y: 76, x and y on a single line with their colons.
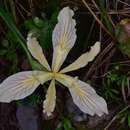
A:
x: 50, y: 101
x: 36, y: 51
x: 83, y: 59
x: 64, y: 37
x: 84, y: 96
x: 21, y: 84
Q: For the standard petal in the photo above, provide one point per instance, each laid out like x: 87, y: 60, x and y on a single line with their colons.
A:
x: 84, y: 96
x: 36, y: 51
x: 64, y: 37
x: 50, y: 101
x: 21, y: 84
x: 83, y: 59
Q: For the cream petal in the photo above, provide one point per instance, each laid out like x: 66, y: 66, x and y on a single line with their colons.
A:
x: 50, y: 101
x: 36, y: 51
x: 83, y: 59
x: 64, y: 37
x: 21, y: 84
x: 84, y: 96
x: 88, y: 101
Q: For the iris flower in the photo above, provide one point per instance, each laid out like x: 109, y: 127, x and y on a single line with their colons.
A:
x: 22, y: 84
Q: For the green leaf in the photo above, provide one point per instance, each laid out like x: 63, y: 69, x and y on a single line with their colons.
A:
x: 129, y: 119
x: 38, y: 22
x: 104, y: 15
x: 9, y: 22
x: 42, y: 28
x: 3, y: 52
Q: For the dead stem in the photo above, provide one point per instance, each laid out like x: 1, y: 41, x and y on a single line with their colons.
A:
x: 123, y: 91
x: 114, y: 118
x: 97, y: 19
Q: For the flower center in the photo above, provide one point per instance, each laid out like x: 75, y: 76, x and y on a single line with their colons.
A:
x: 55, y: 74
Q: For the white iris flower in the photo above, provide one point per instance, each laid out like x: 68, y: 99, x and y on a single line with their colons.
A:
x: 22, y: 84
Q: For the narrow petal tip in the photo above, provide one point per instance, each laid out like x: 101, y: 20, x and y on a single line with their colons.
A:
x: 50, y: 101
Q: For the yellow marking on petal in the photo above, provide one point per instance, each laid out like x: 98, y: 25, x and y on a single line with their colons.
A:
x: 64, y: 37
x: 38, y: 77
x: 79, y: 92
x: 57, y: 61
x: 62, y: 43
x: 84, y: 59
x: 29, y: 82
x: 18, y: 86
x: 70, y: 82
